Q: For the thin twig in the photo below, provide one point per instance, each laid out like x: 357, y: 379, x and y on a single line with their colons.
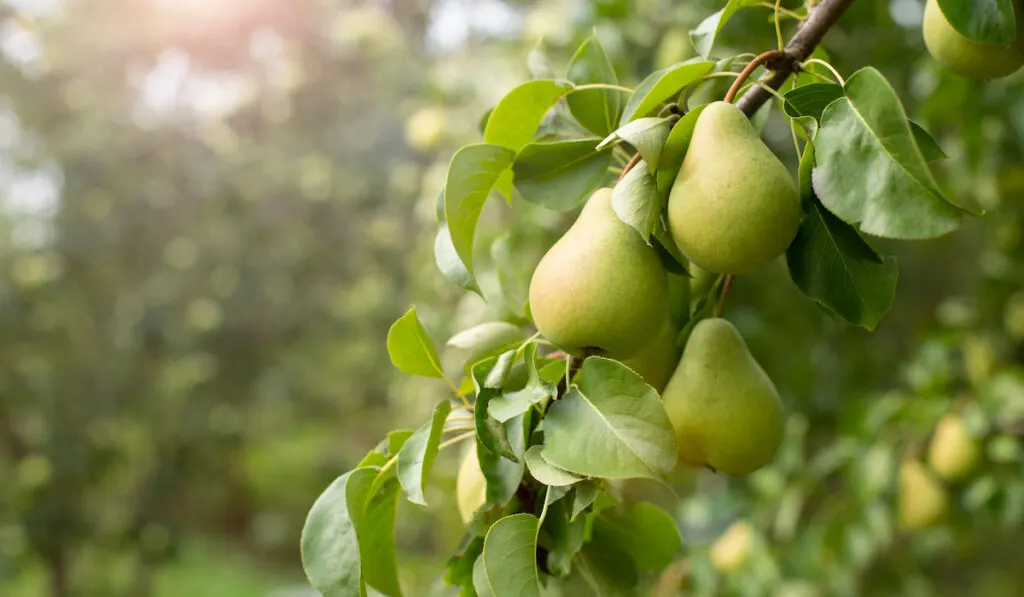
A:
x: 751, y: 67
x: 456, y: 440
x: 721, y: 297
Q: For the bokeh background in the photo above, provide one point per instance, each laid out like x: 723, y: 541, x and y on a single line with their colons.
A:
x: 211, y: 212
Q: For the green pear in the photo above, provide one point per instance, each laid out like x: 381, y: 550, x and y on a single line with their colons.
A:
x: 968, y: 58
x: 600, y: 289
x: 953, y: 452
x: 726, y: 412
x: 470, y: 485
x: 734, y: 206
x: 658, y: 360
x: 921, y: 500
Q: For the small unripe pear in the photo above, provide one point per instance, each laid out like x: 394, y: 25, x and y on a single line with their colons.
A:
x: 730, y: 551
x: 470, y: 485
x: 968, y: 58
x: 922, y: 500
x: 953, y: 452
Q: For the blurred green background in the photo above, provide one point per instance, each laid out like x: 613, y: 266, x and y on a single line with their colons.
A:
x: 211, y: 212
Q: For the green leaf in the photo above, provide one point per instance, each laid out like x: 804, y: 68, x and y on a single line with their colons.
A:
x: 480, y: 582
x: 675, y: 149
x: 396, y: 439
x: 648, y: 533
x: 610, y: 425
x: 562, y: 538
x: 869, y: 168
x: 488, y: 375
x: 516, y: 117
x: 608, y: 567
x: 596, y: 109
x: 833, y: 265
x: 503, y: 475
x: 373, y: 458
x: 811, y: 100
x: 703, y: 37
x: 635, y: 199
x: 536, y: 391
x: 988, y: 22
x: 487, y: 339
x: 416, y: 457
x: 459, y: 570
x: 510, y: 558
x: 472, y: 174
x: 560, y: 175
x: 646, y: 135
x: 545, y: 472
x: 375, y: 529
x: 411, y: 349
x: 585, y: 493
x: 661, y: 85
x: 667, y: 252
x: 929, y: 147
x: 450, y: 264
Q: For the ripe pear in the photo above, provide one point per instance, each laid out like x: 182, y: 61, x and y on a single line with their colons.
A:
x: 734, y: 206
x: 600, y: 289
x: 953, y: 452
x: 922, y: 500
x: 659, y: 359
x: 730, y: 551
x: 968, y: 58
x: 726, y: 412
x: 470, y: 485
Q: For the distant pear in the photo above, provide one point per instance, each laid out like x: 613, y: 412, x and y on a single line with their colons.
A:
x: 731, y: 550
x: 953, y: 452
x: 726, y: 412
x: 470, y: 485
x: 734, y: 206
x: 922, y: 500
x: 600, y: 289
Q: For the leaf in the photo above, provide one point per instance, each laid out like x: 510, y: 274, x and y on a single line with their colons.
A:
x: 510, y: 557
x: 503, y: 475
x: 396, y: 439
x: 929, y: 147
x: 636, y: 201
x: 811, y: 100
x: 472, y: 174
x: 585, y: 494
x: 481, y: 584
x: 648, y: 533
x: 667, y: 252
x: 545, y: 472
x: 560, y: 175
x: 536, y: 391
x: 459, y: 570
x: 416, y: 457
x: 450, y: 264
x: 487, y: 339
x: 703, y: 37
x: 516, y: 117
x: 869, y: 168
x: 832, y: 264
x: 562, y: 538
x: 596, y: 109
x: 610, y: 425
x: 674, y: 151
x: 373, y: 458
x: 646, y: 135
x: 661, y: 85
x: 411, y: 349
x: 608, y: 567
x: 982, y: 21
x: 488, y: 375
x: 375, y: 529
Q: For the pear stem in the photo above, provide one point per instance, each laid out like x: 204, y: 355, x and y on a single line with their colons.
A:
x: 720, y: 306
x: 629, y: 166
x: 760, y: 59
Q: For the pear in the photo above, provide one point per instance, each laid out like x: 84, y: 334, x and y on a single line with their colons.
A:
x: 968, y: 58
x: 734, y: 206
x: 953, y: 452
x: 659, y: 359
x: 922, y: 500
x: 600, y: 289
x: 725, y: 411
x: 730, y: 551
x: 470, y: 485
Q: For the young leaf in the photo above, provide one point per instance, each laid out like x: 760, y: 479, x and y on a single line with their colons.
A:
x: 703, y: 37
x: 487, y: 339
x: 411, y: 349
x: 562, y: 538
x: 662, y: 85
x: 646, y: 135
x: 811, y: 100
x: 373, y: 458
x: 832, y: 264
x: 488, y: 375
x: 610, y: 425
x: 503, y: 475
x: 545, y: 472
x: 869, y: 168
x: 675, y: 150
x: 585, y: 493
x: 929, y: 147
x: 536, y: 391
x: 516, y: 117
x: 596, y: 109
x: 635, y: 199
x: 472, y: 174
x: 989, y: 22
x: 560, y: 175
x: 510, y: 558
x: 416, y: 457
x: 648, y: 533
x: 396, y: 439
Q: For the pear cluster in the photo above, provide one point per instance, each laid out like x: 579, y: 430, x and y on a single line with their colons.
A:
x: 966, y: 57
x: 602, y: 290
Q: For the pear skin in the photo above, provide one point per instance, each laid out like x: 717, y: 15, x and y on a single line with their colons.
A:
x: 600, y: 289
x: 726, y: 412
x: 922, y: 500
x: 470, y: 485
x: 965, y: 57
x: 734, y: 206
x: 953, y: 452
x: 658, y: 360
